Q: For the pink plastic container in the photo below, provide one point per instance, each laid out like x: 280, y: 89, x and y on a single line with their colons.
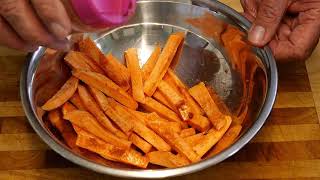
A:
x: 90, y: 15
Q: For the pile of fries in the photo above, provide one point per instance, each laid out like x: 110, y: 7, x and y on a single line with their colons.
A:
x: 138, y: 116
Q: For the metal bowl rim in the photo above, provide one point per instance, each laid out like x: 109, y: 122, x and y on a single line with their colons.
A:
x: 158, y: 173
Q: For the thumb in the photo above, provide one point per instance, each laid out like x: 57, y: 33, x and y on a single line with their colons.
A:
x: 269, y: 16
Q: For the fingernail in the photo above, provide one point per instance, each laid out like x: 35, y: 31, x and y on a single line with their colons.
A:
x: 59, y: 31
x: 256, y: 34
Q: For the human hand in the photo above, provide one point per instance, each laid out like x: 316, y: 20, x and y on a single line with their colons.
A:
x: 27, y: 24
x: 290, y: 27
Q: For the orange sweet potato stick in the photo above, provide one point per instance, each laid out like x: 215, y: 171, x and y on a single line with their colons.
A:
x: 212, y: 138
x: 157, y: 95
x: 115, y: 71
x: 154, y: 118
x: 87, y: 122
x: 200, y: 123
x: 94, y: 109
x: 88, y: 47
x: 135, y: 74
x: 176, y: 83
x: 111, y: 152
x: 178, y: 54
x: 228, y: 138
x: 63, y: 94
x: 176, y: 99
x: 162, y: 64
x: 67, y: 107
x: 107, y: 86
x: 152, y: 105
x: 140, y: 143
x: 194, y: 139
x: 187, y: 132
x: 200, y: 93
x: 167, y: 159
x: 219, y: 102
x: 64, y: 127
x: 173, y: 138
x: 151, y: 62
x: 140, y: 128
x: 76, y: 61
x: 107, y: 105
x: 75, y: 100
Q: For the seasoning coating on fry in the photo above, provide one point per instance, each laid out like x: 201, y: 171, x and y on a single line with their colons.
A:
x: 115, y: 71
x: 64, y: 127
x: 111, y: 152
x: 75, y: 100
x: 86, y: 121
x: 176, y: 83
x: 140, y: 143
x: 200, y: 93
x: 211, y: 138
x: 152, y: 105
x: 135, y: 74
x: 162, y: 64
x: 95, y: 110
x: 63, y: 94
x: 151, y: 62
x: 107, y: 86
x: 88, y: 47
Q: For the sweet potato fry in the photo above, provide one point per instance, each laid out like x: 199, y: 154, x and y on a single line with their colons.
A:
x: 140, y: 143
x: 88, y: 47
x: 151, y: 62
x: 152, y: 105
x: 67, y: 107
x: 176, y: 83
x: 151, y: 137
x: 63, y: 94
x: 64, y: 127
x: 75, y: 100
x: 135, y: 74
x: 194, y: 139
x: 212, y: 138
x: 94, y: 109
x: 141, y: 116
x: 175, y: 99
x: 140, y: 128
x: 218, y: 101
x: 200, y: 93
x: 111, y: 152
x: 76, y: 61
x: 87, y: 122
x: 93, y: 64
x: 228, y: 138
x: 167, y: 159
x: 154, y: 118
x: 114, y: 113
x: 173, y: 138
x: 187, y: 132
x: 115, y: 71
x: 100, y: 98
x: 200, y: 123
x: 80, y: 61
x: 171, y: 95
x: 162, y: 64
x: 107, y: 86
x: 178, y: 54
x: 162, y: 99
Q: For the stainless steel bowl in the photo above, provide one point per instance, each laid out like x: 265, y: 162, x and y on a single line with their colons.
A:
x: 205, y: 58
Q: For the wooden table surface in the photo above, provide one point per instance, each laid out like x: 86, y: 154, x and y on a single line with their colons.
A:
x: 287, y: 147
